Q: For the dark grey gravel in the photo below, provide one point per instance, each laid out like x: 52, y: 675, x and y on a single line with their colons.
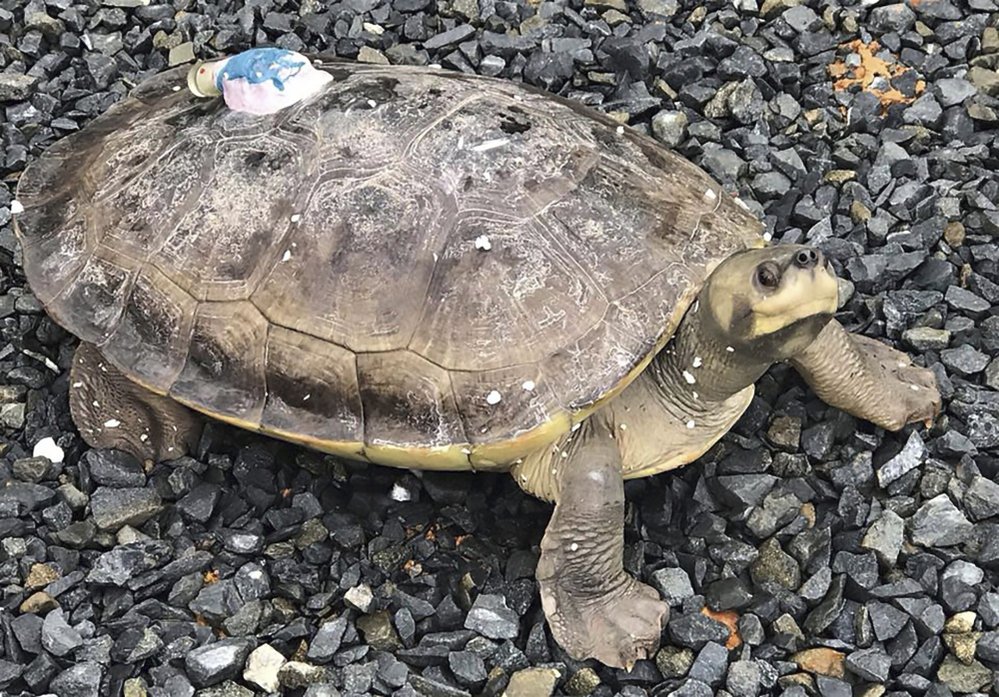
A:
x: 808, y: 529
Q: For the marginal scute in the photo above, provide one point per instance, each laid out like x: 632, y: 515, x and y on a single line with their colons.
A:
x: 152, y: 339
x: 224, y: 369
x: 407, y: 401
x: 96, y: 297
x: 57, y: 240
x: 312, y: 388
x: 504, y: 403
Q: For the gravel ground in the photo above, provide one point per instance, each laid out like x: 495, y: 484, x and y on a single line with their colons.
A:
x: 807, y: 554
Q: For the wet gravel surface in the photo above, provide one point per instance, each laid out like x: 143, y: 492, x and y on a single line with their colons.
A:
x: 806, y: 554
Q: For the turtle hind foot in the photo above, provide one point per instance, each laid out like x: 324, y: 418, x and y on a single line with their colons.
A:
x: 868, y: 379
x: 113, y: 412
x: 617, y: 628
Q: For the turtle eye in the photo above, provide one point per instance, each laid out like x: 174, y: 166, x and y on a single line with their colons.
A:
x: 768, y: 276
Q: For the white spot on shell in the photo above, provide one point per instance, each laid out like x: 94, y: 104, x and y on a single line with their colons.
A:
x: 902, y: 364
x: 287, y: 255
x: 494, y: 397
x: 466, y: 451
x: 528, y: 385
x: 296, y: 217
x: 47, y: 447
x: 16, y: 207
x: 691, y: 424
x: 77, y: 384
x: 767, y: 237
x: 914, y: 388
x: 620, y: 130
x: 490, y: 144
x: 565, y: 454
x: 576, y: 427
x: 689, y: 378
x: 710, y: 195
x: 372, y: 103
x: 742, y: 203
x: 307, y: 397
x: 623, y: 427
x: 730, y: 349
x: 176, y: 88
x: 143, y: 437
x: 482, y: 242
x: 112, y: 423
x: 698, y: 362
x: 573, y: 547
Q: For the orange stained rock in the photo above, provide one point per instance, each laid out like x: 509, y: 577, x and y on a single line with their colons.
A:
x: 730, y: 619
x: 211, y: 577
x: 821, y: 661
x: 870, y: 69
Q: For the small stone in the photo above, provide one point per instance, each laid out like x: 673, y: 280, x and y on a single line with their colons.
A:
x: 964, y: 360
x: 583, y: 682
x: 113, y: 508
x: 938, y: 522
x: 213, y: 663
x: 821, y: 661
x: 369, y: 55
x: 925, y: 338
x: 327, y: 640
x: 981, y: 500
x: 262, y: 667
x: 710, y: 665
x: 16, y: 87
x: 884, y: 537
x: 467, y: 667
x: 775, y: 565
x: 58, y: 637
x: 674, y: 661
x: 31, y: 469
x: 378, y: 631
x: 532, y: 682
x: 962, y: 678
x: 181, y: 53
x: 295, y: 675
x: 80, y: 680
x: 360, y: 597
x: 891, y: 18
x: 909, y: 458
x: 694, y: 629
x: 963, y: 645
x: 670, y: 127
x: 960, y: 622
x: 490, y: 617
x: 673, y: 584
x: 743, y: 679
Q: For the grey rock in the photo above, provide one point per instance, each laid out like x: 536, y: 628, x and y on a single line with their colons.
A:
x: 951, y: 91
x: 884, y: 537
x: 964, y: 360
x: 115, y: 468
x: 123, y: 563
x: 491, y: 617
x: 213, y: 663
x: 775, y: 565
x: 694, y: 629
x: 981, y: 500
x: 710, y: 664
x: 910, y: 457
x: 16, y: 87
x: 870, y: 664
x: 114, y: 508
x: 670, y: 127
x: 939, y: 522
x: 58, y: 637
x: 80, y: 680
x: 327, y: 640
x: 673, y: 584
x: 961, y: 678
x: 886, y: 620
x: 891, y: 18
x: 743, y: 679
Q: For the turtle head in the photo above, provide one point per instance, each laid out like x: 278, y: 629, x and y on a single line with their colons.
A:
x: 772, y: 302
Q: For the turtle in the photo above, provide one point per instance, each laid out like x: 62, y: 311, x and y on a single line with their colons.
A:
x: 425, y: 269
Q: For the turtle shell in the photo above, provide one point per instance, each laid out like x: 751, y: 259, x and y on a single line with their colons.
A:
x: 413, y: 267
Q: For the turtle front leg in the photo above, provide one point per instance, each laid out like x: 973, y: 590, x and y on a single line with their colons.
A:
x: 594, y: 608
x: 868, y: 379
x: 111, y: 411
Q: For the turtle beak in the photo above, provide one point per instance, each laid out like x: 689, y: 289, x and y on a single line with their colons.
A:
x: 201, y: 78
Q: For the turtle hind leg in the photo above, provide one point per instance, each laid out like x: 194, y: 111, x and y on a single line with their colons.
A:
x: 111, y: 411
x: 868, y: 379
x: 594, y: 608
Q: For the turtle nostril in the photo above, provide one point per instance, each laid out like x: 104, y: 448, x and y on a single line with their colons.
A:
x: 806, y: 258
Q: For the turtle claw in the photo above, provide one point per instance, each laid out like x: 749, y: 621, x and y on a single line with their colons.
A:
x: 618, y: 629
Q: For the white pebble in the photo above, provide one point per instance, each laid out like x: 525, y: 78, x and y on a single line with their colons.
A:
x: 697, y: 361
x: 112, y: 423
x: 16, y: 207
x: 47, y: 447
x: 691, y: 424
x: 494, y: 397
x: 689, y: 378
x: 767, y: 237
x: 528, y: 385
x: 482, y: 242
x: 400, y: 493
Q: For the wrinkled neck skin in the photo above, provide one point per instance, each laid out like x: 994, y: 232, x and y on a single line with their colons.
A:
x: 700, y: 367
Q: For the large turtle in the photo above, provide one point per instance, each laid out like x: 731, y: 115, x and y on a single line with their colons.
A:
x: 431, y: 270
